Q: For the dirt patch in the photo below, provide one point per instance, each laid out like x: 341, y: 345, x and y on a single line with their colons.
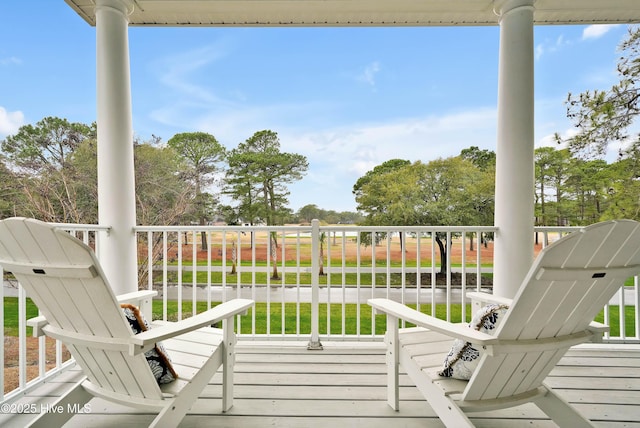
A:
x: 334, y: 245
x: 11, y: 355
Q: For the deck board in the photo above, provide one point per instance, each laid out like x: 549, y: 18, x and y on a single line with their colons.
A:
x: 284, y: 385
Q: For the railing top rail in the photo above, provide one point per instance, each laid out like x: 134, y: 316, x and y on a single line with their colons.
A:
x: 197, y: 228
x: 81, y: 227
x: 187, y: 228
x: 413, y: 228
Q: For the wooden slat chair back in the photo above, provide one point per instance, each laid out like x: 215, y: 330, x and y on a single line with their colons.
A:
x: 64, y: 279
x: 569, y: 283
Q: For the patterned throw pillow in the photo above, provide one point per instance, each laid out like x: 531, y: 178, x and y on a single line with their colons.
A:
x: 158, y: 359
x: 463, y: 358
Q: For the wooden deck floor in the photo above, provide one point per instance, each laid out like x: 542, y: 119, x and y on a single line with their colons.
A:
x: 285, y: 385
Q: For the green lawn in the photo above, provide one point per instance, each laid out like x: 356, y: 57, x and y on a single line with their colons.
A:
x: 290, y: 317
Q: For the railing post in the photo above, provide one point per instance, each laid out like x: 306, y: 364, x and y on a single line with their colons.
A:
x: 314, y: 342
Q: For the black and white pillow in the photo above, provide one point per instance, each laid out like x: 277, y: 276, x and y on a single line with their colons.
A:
x: 463, y: 358
x: 158, y: 359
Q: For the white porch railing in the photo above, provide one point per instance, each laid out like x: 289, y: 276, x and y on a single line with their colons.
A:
x: 279, y: 267
x: 308, y: 299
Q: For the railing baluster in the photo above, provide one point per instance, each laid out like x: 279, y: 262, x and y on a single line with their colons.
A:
x: 283, y: 272
x: 479, y: 244
x: 418, y: 269
x: 165, y: 262
x: 194, y: 273
x: 179, y: 233
x: 314, y: 342
x: 433, y: 274
x: 298, y: 283
x: 327, y: 244
x: 343, y: 308
x: 22, y: 338
x: 463, y: 285
x: 208, y: 240
x: 636, y: 302
x: 2, y: 355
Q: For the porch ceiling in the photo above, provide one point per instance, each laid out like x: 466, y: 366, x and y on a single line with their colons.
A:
x: 327, y: 13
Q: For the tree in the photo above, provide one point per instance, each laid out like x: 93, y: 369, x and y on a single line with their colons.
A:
x: 323, y: 240
x: 84, y: 162
x: 485, y: 161
x: 604, y: 116
x: 383, y: 168
x: 309, y: 212
x: 163, y: 197
x: 201, y: 153
x: 624, y: 191
x: 10, y: 193
x: 588, y: 185
x: 442, y: 192
x: 258, y: 176
x: 40, y: 156
x: 542, y: 164
x: 552, y: 170
x: 482, y: 159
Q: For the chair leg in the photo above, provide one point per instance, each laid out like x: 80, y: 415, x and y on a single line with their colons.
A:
x: 228, y: 361
x: 447, y: 409
x: 72, y: 403
x: 177, y: 408
x: 393, y: 363
x: 561, y: 412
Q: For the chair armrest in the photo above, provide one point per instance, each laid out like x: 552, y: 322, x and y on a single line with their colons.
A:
x: 142, y: 299
x: 37, y: 323
x: 136, y: 296
x: 142, y: 341
x: 480, y: 299
x: 458, y: 331
x: 598, y: 329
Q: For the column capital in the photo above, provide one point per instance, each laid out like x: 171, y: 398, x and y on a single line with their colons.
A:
x: 124, y: 6
x: 500, y: 7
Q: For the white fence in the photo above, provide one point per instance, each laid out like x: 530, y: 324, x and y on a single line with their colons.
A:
x: 310, y: 283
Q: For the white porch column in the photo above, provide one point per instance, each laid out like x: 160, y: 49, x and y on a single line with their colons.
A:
x: 514, y: 209
x: 116, y: 191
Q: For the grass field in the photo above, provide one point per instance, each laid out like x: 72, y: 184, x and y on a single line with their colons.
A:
x: 301, y: 323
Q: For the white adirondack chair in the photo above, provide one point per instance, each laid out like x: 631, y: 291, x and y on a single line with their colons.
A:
x: 64, y: 278
x: 567, y: 285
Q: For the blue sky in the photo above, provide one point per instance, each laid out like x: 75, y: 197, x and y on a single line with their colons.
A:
x: 346, y: 98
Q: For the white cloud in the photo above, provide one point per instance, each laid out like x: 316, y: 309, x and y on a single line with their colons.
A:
x: 12, y: 60
x: 550, y: 46
x: 10, y: 122
x: 540, y: 50
x: 549, y: 140
x: 359, y: 147
x: 368, y: 76
x: 339, y: 156
x: 179, y: 70
x: 596, y: 31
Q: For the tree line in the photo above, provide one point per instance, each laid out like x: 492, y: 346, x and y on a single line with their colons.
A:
x: 459, y: 190
x: 49, y: 171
